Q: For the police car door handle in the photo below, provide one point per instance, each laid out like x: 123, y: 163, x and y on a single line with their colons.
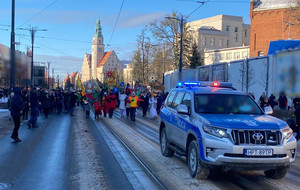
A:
x: 176, y: 118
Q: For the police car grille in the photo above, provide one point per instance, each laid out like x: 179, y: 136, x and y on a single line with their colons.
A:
x: 246, y: 137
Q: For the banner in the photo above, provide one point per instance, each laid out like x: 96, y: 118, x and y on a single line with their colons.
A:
x: 80, y: 85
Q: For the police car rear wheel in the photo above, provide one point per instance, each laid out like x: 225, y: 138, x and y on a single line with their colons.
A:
x: 196, y: 168
x: 277, y: 173
x: 167, y: 152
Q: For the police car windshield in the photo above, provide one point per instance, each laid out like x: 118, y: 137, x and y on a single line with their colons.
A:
x: 225, y: 104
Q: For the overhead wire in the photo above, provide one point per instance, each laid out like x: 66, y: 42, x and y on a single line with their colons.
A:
x: 37, y: 13
x: 116, y: 22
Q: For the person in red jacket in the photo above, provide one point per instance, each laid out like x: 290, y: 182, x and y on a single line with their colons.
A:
x: 104, y: 104
x: 111, y: 101
x: 97, y: 108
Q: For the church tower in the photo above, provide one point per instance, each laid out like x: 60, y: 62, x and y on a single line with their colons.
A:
x: 97, y: 49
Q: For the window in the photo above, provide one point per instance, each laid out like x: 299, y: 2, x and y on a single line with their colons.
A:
x: 226, y: 104
x: 221, y: 43
x: 236, y: 55
x: 212, y: 42
x: 221, y: 56
x: 245, y: 54
x: 170, y: 98
x: 204, y: 41
x: 245, y: 33
x: 178, y: 99
x: 236, y: 38
x: 236, y: 29
x: 227, y: 44
x: 260, y: 53
x: 187, y: 100
x: 227, y: 28
x: 229, y: 56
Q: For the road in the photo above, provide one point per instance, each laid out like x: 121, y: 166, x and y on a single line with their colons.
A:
x: 63, y: 153
x: 78, y: 153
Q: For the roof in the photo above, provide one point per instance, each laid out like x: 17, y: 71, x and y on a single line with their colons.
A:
x: 73, y: 74
x: 103, y: 61
x: 283, y: 45
x: 274, y: 4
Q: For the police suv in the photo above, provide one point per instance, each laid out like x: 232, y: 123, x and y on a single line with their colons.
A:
x: 214, y: 125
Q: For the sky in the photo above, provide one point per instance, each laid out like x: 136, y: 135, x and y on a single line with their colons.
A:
x: 70, y: 24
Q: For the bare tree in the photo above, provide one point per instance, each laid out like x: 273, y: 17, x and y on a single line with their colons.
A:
x: 247, y: 76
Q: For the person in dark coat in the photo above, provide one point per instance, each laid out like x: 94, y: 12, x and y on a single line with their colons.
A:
x: 73, y: 100
x: 144, y: 103
x: 34, y: 109
x: 282, y: 101
x: 272, y: 101
x: 159, y: 103
x: 46, y: 103
x: 67, y: 101
x: 111, y: 101
x: 25, y: 97
x: 17, y: 106
x: 297, y: 115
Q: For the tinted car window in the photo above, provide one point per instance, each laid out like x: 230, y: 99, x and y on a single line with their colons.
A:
x: 187, y: 100
x: 225, y: 104
x: 178, y: 99
x: 170, y: 98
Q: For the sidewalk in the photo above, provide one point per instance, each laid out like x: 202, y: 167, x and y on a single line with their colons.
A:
x: 6, y: 125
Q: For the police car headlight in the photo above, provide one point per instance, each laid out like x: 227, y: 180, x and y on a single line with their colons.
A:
x: 287, y: 133
x: 215, y: 131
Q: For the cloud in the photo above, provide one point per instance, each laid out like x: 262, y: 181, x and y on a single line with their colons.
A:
x: 131, y: 21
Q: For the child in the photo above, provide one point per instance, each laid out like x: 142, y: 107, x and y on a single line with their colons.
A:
x: 97, y: 108
x: 87, y: 109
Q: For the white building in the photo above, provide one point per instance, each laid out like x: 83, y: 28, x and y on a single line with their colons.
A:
x: 127, y: 74
x: 225, y: 55
x: 97, y: 64
x: 218, y: 32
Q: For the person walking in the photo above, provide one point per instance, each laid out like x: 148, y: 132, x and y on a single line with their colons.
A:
x: 25, y: 97
x: 46, y: 103
x: 34, y: 109
x: 297, y: 115
x: 282, y: 101
x: 144, y: 103
x: 17, y: 106
x: 152, y: 103
x: 111, y: 103
x: 73, y: 99
x: 122, y: 107
x: 133, y: 99
x: 272, y: 101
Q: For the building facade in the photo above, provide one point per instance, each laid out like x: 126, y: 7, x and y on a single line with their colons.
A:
x: 127, y: 74
x: 225, y: 55
x: 272, y: 20
x: 99, y: 63
x: 221, y: 31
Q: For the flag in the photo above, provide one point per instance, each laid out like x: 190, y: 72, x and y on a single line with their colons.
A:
x: 80, y: 85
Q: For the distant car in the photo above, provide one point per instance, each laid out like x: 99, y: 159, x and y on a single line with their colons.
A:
x: 214, y: 125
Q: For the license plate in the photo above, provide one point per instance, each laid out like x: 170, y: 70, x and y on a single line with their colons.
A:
x: 258, y: 152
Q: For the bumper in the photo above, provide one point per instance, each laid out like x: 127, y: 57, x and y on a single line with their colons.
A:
x: 222, y: 152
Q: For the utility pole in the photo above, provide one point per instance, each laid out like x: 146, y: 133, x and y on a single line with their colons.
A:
x: 12, y: 47
x: 53, y: 78
x: 48, y: 75
x: 32, y: 31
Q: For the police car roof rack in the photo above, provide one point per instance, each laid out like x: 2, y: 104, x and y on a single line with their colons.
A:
x: 205, y: 84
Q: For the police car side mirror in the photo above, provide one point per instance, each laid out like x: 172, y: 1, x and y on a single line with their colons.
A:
x: 268, y: 110
x: 182, y: 109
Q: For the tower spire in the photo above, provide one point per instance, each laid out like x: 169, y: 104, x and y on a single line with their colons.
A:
x: 98, y: 32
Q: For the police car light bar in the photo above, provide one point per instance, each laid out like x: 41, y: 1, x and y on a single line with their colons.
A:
x: 205, y: 84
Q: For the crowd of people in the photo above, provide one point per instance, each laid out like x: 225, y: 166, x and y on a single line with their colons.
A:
x: 103, y: 101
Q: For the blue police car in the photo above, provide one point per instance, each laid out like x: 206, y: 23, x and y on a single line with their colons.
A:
x: 214, y: 125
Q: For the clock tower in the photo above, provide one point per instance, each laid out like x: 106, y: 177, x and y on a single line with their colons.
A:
x: 97, y: 49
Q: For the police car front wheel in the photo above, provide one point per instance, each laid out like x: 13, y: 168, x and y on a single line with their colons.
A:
x: 165, y: 150
x: 196, y: 168
x: 277, y: 173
